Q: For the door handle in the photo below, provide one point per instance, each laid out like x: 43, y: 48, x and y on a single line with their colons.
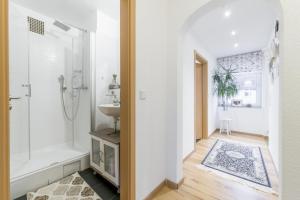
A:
x: 14, y: 98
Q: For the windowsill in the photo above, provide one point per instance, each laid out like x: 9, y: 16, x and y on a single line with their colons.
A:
x: 230, y: 106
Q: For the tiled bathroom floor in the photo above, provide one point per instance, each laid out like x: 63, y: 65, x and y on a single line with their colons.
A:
x: 101, y: 186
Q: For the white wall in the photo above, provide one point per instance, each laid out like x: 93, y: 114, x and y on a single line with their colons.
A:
x: 289, y: 101
x: 107, y: 60
x: 246, y: 120
x: 273, y: 105
x: 274, y: 122
x: 190, y: 44
x: 151, y: 72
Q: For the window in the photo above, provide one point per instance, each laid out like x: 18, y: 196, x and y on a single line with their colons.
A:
x: 249, y: 90
x: 248, y: 68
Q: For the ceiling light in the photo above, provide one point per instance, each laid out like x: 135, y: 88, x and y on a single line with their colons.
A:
x: 227, y: 13
x: 236, y: 45
x: 233, y: 33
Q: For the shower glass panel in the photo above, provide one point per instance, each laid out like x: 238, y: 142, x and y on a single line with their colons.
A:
x: 19, y: 100
x: 51, y: 55
x: 46, y: 83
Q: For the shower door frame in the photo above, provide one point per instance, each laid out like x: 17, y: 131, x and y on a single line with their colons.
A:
x: 127, y: 157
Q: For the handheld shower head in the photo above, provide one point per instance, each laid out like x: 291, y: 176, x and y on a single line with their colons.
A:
x: 61, y: 80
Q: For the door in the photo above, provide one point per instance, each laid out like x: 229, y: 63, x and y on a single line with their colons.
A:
x: 111, y: 161
x: 50, y: 56
x: 19, y: 91
x: 198, y: 101
x: 95, y: 155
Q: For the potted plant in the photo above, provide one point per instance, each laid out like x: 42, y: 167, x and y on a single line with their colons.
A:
x: 224, y: 85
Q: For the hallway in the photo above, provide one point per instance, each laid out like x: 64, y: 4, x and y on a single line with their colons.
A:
x: 206, y: 184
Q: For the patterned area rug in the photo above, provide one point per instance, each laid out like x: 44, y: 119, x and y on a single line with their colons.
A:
x: 240, y: 160
x: 70, y: 188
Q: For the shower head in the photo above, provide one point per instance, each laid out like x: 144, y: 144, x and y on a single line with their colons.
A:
x: 61, y: 25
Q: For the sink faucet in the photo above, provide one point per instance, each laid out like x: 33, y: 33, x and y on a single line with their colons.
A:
x: 116, y: 101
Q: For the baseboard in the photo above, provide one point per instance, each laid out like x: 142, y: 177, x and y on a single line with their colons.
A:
x: 156, y: 190
x: 251, y: 134
x: 246, y: 133
x: 189, y: 155
x: 215, y: 131
x: 167, y: 183
x: 174, y: 185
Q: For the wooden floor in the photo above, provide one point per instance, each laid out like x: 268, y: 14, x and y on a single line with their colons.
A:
x: 199, y: 184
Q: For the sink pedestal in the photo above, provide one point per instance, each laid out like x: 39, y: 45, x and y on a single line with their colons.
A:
x: 116, y: 124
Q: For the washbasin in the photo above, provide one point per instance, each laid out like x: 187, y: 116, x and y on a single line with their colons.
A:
x: 110, y: 110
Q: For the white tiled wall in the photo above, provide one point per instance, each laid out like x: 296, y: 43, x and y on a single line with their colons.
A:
x: 107, y: 60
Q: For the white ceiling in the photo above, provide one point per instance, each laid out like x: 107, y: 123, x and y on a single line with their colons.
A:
x: 253, y: 21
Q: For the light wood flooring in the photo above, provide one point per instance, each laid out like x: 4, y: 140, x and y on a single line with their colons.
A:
x: 199, y: 184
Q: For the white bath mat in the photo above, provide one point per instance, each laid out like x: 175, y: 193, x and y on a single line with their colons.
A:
x: 70, y: 188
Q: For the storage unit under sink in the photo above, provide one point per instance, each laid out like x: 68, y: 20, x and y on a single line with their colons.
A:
x: 105, y: 146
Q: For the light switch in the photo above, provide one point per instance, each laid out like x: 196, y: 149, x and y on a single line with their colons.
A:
x: 142, y: 95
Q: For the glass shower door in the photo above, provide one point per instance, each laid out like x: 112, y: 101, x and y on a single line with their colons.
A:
x: 19, y: 93
x: 46, y: 79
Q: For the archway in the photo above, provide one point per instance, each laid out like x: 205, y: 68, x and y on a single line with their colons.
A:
x: 182, y: 29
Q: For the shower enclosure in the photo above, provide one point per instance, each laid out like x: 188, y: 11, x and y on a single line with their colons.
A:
x: 49, y: 92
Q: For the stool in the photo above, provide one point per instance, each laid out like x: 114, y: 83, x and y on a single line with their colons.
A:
x: 225, y: 126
